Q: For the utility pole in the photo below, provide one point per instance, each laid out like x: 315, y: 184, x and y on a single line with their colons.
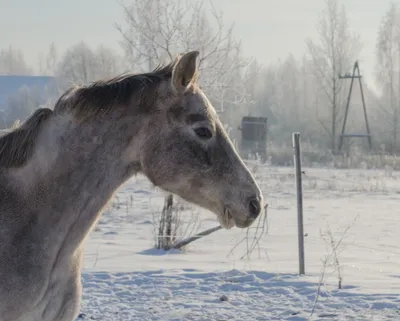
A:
x: 343, y: 134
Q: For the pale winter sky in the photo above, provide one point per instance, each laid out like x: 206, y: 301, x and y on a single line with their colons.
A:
x: 269, y: 29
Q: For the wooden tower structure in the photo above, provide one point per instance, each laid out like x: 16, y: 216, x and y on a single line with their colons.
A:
x: 343, y: 134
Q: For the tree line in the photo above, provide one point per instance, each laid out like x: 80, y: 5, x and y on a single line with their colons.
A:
x: 298, y: 93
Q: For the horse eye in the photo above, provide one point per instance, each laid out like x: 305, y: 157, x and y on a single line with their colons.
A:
x: 203, y: 132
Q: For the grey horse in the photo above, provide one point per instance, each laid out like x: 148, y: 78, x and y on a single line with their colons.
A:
x: 60, y: 167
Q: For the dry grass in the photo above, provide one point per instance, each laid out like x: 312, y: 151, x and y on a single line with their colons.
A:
x: 177, y: 221
x: 331, y: 259
x: 314, y: 156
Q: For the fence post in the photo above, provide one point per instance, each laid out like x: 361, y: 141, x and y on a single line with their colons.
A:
x: 297, y: 165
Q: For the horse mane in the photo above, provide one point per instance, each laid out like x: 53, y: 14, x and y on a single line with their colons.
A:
x: 17, y: 146
x: 99, y: 97
x: 104, y: 95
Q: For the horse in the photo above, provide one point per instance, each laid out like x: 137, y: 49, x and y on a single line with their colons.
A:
x: 60, y: 168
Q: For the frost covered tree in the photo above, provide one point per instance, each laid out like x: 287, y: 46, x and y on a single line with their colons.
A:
x: 388, y: 70
x: 333, y: 54
x: 48, y: 62
x: 81, y: 64
x: 12, y: 62
x: 154, y: 31
x: 109, y: 63
x: 78, y: 64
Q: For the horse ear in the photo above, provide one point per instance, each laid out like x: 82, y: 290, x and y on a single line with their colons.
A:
x: 185, y: 70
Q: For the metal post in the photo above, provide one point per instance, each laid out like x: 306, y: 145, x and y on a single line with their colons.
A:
x: 297, y: 164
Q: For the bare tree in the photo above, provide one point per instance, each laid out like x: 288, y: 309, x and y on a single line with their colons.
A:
x: 52, y: 59
x: 388, y: 69
x: 12, y: 62
x: 282, y: 98
x: 288, y: 90
x: 41, y: 64
x: 80, y: 64
x: 156, y: 30
x: 109, y: 63
x: 47, y: 64
x: 337, y: 48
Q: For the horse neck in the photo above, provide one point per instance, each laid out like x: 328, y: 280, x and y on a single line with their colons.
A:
x: 73, y: 174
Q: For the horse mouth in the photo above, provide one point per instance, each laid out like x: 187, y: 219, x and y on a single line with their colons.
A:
x: 244, y: 224
x: 226, y: 219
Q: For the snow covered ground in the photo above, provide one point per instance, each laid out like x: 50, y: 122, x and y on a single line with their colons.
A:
x: 352, y: 228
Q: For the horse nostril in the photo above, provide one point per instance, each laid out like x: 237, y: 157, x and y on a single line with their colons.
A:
x: 254, y: 208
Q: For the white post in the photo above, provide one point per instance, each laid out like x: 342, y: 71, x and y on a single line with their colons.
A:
x: 297, y: 165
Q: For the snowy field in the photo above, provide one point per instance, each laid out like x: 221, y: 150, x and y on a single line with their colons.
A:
x: 352, y: 228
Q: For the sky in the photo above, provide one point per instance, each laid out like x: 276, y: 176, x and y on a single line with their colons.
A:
x: 269, y: 29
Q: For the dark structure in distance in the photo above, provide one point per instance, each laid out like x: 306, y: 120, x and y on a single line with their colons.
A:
x: 253, y: 142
